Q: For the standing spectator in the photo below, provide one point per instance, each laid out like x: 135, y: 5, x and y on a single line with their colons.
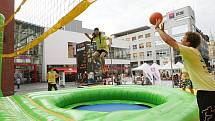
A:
x: 176, y: 80
x: 51, y: 76
x: 85, y: 77
x: 167, y: 75
x: 118, y: 79
x: 18, y: 78
x: 142, y: 79
x: 163, y: 76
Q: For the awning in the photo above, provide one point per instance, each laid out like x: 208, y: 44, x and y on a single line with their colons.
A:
x: 67, y: 70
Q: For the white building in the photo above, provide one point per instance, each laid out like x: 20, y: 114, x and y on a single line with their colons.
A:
x: 59, y: 50
x: 147, y: 46
x: 141, y: 45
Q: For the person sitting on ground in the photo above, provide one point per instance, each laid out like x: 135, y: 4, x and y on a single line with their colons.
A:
x: 186, y: 82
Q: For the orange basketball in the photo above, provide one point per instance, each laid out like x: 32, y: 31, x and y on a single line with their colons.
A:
x: 155, y: 16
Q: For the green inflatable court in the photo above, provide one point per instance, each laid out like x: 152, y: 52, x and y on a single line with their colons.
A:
x: 167, y: 104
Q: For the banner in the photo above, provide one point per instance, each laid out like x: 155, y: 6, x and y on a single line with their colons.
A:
x: 156, y: 75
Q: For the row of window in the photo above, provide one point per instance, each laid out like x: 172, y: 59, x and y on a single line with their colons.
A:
x: 174, y: 31
x: 149, y: 53
x: 148, y: 44
x: 139, y: 37
x: 141, y: 54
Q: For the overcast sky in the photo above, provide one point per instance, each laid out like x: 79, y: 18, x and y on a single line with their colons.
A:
x: 113, y: 16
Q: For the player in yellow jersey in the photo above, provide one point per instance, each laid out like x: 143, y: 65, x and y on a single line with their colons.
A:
x: 196, y: 68
x: 102, y: 46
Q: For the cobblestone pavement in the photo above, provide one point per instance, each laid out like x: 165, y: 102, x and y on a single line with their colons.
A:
x: 35, y: 87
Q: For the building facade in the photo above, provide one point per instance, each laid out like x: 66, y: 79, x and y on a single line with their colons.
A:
x: 76, y: 26
x: 147, y: 46
x: 29, y: 63
x: 59, y: 51
x: 141, y: 45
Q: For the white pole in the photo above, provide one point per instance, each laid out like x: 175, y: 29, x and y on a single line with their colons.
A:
x: 111, y: 63
x: 171, y: 66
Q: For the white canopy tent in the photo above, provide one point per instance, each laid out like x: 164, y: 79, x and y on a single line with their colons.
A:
x: 141, y: 67
x: 180, y: 65
x: 155, y: 65
x: 149, y: 71
x: 146, y: 69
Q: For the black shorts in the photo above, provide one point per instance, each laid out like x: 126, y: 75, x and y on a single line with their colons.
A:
x: 101, y: 51
x: 206, y: 103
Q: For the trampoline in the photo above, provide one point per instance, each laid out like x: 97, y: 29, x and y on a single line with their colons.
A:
x: 112, y: 107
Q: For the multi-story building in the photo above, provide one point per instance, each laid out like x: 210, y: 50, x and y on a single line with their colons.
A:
x: 76, y: 26
x: 58, y: 50
x: 180, y: 21
x: 147, y: 46
x: 29, y: 63
x: 141, y: 45
x: 63, y: 45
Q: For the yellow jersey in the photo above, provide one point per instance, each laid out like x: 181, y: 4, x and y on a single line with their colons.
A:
x: 196, y: 68
x: 52, y: 75
x: 101, y: 42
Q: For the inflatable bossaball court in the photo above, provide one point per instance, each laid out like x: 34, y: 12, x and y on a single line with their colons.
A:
x: 104, y: 103
x: 98, y: 103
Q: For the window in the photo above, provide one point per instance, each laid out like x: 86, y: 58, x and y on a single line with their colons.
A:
x: 141, y: 45
x: 140, y: 36
x: 134, y: 38
x: 134, y: 46
x: 141, y: 54
x: 71, y: 50
x: 162, y: 53
x: 127, y: 39
x: 134, y: 55
x: 147, y: 35
x: 149, y: 53
x: 148, y: 44
x: 159, y: 42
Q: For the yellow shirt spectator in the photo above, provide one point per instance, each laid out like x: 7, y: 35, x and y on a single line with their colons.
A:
x: 52, y: 75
